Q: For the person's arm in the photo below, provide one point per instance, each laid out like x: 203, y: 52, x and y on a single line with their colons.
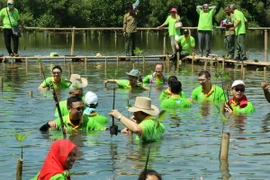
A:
x: 132, y: 126
x: 213, y: 7
x: 198, y: 7
x: 20, y: 22
x: 265, y: 88
x: 109, y: 81
x: 124, y: 25
x: 136, y: 4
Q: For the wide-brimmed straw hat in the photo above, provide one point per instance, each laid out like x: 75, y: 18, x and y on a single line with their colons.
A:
x: 133, y: 72
x: 144, y: 104
x: 77, y: 77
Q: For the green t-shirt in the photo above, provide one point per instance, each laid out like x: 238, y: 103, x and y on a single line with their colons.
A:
x: 171, y: 28
x: 63, y: 108
x: 241, y: 28
x: 124, y: 84
x: 152, y: 78
x: 86, y: 124
x: 14, y: 17
x: 63, y: 84
x: 215, y: 94
x: 206, y: 20
x: 248, y: 109
x: 152, y: 131
x: 102, y: 120
x: 55, y: 177
x: 165, y: 95
x: 187, y: 44
x: 173, y: 103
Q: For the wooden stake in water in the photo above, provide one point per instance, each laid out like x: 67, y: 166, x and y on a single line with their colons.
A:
x: 30, y: 94
x: 1, y: 83
x: 19, y: 169
x: 224, y: 147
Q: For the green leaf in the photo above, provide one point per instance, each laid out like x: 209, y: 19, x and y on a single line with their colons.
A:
x: 224, y: 119
x: 21, y: 137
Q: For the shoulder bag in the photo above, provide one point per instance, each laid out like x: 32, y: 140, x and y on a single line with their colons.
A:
x: 15, y: 29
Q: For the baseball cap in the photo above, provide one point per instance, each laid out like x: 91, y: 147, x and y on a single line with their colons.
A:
x: 238, y: 82
x: 90, y: 98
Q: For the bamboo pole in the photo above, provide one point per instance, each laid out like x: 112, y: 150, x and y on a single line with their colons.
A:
x: 164, y: 45
x: 224, y: 148
x: 19, y: 169
x: 30, y: 94
x: 105, y: 65
x: 117, y: 61
x: 85, y: 62
x: 167, y: 63
x: 72, y: 42
x: 205, y: 65
x: 265, y: 45
x: 143, y: 64
x: 1, y: 84
x: 264, y: 73
x: 244, y: 73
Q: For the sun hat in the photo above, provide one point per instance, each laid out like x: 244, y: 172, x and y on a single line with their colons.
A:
x: 173, y: 10
x: 144, y: 104
x: 77, y: 77
x: 133, y: 72
x: 10, y: 2
x: 90, y: 98
x: 238, y: 82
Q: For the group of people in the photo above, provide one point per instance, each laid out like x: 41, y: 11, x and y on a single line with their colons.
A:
x: 235, y: 29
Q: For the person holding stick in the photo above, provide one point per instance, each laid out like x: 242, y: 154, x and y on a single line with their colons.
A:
x: 11, y: 17
x: 265, y: 88
x: 59, y: 161
x: 57, y: 80
x: 75, y: 120
x: 132, y: 82
x: 239, y: 102
x: 157, y: 77
x: 144, y: 124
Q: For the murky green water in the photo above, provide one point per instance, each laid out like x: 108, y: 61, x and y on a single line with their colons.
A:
x: 190, y: 148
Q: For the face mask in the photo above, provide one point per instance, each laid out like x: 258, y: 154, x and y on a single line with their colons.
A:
x: 10, y: 6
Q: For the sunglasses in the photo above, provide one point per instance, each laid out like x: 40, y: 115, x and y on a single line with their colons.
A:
x: 56, y: 73
x: 241, y: 89
x: 79, y: 108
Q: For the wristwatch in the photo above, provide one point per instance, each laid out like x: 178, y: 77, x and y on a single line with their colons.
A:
x: 119, y: 118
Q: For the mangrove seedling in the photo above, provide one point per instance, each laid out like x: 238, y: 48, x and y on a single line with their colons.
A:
x: 20, y: 138
x: 138, y: 52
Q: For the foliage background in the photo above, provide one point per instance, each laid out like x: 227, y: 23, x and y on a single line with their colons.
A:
x: 109, y: 13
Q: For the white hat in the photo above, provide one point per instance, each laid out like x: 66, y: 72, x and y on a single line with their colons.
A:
x: 90, y: 98
x: 10, y: 2
x: 77, y: 77
x: 144, y: 104
x: 238, y: 82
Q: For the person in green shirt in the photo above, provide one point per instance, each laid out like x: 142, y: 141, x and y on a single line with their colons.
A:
x: 57, y: 80
x: 75, y: 90
x: 185, y: 44
x: 59, y: 161
x: 91, y: 103
x: 167, y: 93
x: 75, y: 120
x: 132, y: 83
x: 157, y: 77
x: 11, y: 17
x: 144, y: 123
x: 175, y: 101
x: 207, y: 91
x: 205, y: 27
x: 240, y: 23
x: 174, y: 33
x: 239, y: 102
x: 265, y: 88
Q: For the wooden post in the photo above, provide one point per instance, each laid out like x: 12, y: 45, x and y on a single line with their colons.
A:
x: 19, y: 169
x: 224, y: 147
x: 223, y: 63
x: 105, y: 65
x: 72, y: 42
x: 205, y: 64
x: 85, y: 62
x: 30, y: 94
x: 69, y: 70
x: 264, y: 73
x: 244, y: 73
x: 143, y: 63
x: 168, y: 63
x: 164, y: 45
x: 66, y: 37
x: 1, y: 84
x: 177, y: 62
x: 117, y: 61
x: 265, y: 45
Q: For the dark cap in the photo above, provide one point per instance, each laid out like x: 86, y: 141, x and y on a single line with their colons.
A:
x: 129, y: 6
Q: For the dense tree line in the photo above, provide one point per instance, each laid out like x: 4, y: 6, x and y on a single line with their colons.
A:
x: 109, y: 13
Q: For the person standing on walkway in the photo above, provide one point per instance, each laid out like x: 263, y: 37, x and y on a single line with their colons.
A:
x: 11, y: 17
x: 205, y: 27
x: 185, y: 44
x: 265, y: 88
x: 240, y: 23
x: 229, y: 39
x: 174, y: 33
x: 130, y: 28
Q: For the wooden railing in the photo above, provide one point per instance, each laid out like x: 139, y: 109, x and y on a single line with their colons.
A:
x: 266, y: 30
